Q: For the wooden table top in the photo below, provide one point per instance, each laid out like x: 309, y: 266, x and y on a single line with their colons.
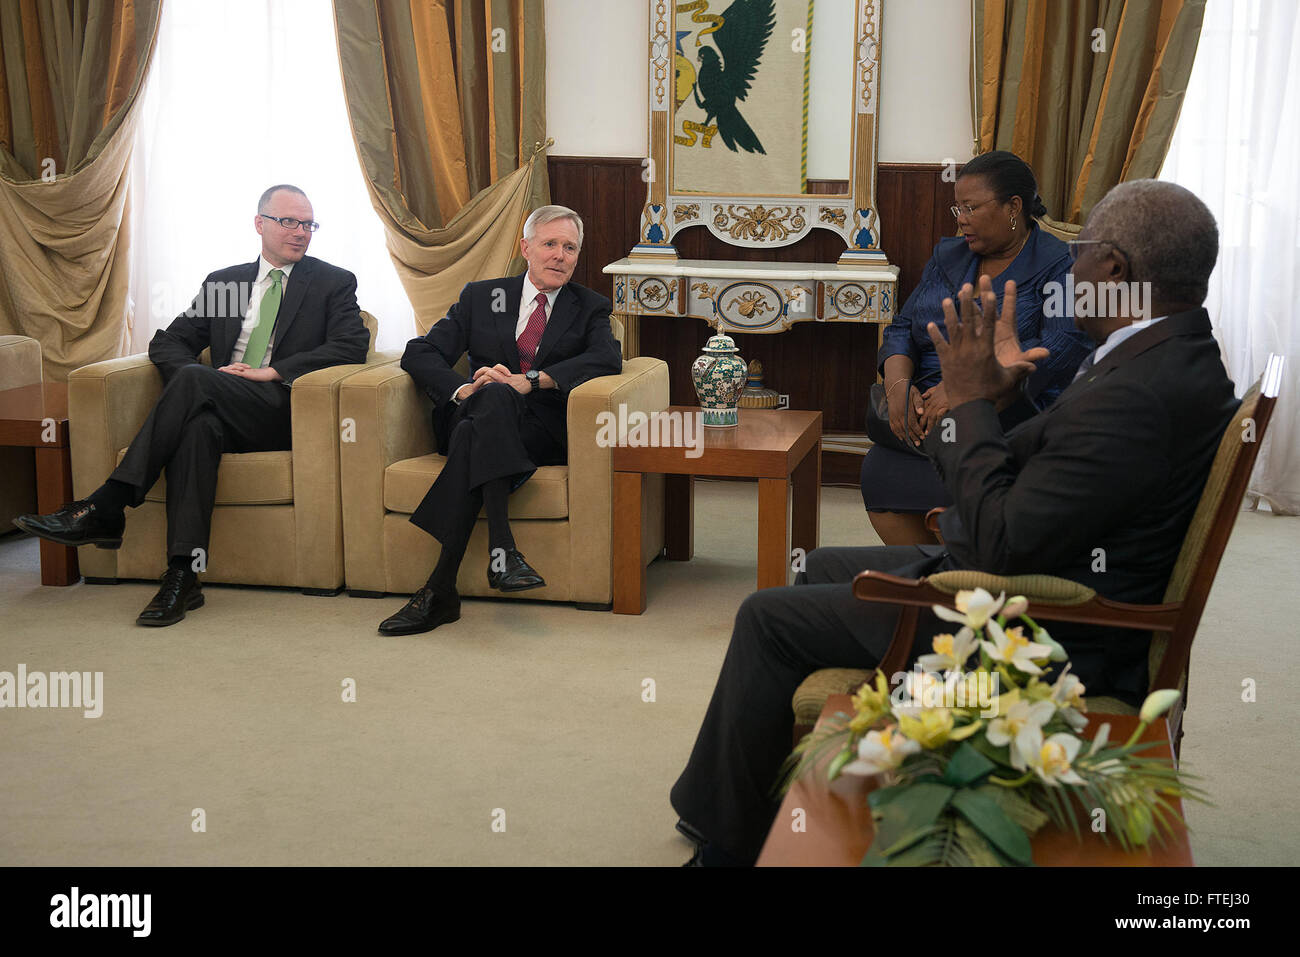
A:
x: 24, y: 411
x: 839, y: 826
x: 768, y: 443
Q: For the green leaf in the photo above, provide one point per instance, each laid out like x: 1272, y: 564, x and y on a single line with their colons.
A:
x: 990, y: 820
x: 904, y: 817
x: 967, y: 766
x: 995, y: 753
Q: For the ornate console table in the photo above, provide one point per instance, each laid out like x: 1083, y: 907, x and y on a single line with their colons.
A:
x: 750, y: 297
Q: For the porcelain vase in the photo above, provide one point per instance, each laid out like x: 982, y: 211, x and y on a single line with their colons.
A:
x: 719, y: 377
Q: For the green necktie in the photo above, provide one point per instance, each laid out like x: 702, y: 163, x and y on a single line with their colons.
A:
x: 255, y: 351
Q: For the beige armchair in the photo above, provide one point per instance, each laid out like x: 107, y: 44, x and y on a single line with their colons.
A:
x: 20, y: 365
x: 277, y: 519
x: 562, y: 518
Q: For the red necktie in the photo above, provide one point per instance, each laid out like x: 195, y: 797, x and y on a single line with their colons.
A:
x: 531, y: 337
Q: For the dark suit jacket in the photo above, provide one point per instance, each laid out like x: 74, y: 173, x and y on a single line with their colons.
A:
x: 576, y: 346
x: 318, y: 324
x: 1098, y: 488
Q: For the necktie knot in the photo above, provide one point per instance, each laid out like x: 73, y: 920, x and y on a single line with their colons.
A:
x: 541, y: 299
x: 276, y: 276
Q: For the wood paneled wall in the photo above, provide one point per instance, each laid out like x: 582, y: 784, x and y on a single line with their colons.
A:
x: 826, y: 366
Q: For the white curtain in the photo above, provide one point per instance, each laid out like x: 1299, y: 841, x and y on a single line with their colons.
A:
x: 244, y: 94
x: 1237, y: 147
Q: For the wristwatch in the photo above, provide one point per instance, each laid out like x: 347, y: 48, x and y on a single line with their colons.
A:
x: 534, y: 379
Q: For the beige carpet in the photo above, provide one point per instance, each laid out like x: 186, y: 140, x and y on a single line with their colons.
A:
x: 525, y: 712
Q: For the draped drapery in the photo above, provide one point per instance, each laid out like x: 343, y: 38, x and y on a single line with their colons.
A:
x: 447, y: 104
x: 70, y: 75
x: 1087, y: 92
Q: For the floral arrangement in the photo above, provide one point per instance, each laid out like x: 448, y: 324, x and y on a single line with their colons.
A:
x: 972, y: 763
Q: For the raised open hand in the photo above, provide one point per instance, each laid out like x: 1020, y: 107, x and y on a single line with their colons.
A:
x: 982, y: 358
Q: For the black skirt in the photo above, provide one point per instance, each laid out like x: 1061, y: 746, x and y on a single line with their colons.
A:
x: 898, y: 482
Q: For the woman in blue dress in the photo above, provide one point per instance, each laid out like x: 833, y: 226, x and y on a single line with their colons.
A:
x: 997, y: 200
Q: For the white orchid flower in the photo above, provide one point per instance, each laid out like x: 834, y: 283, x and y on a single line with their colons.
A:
x: 1052, y: 758
x: 881, y: 751
x: 1013, y: 648
x: 1067, y: 694
x: 974, y: 608
x: 920, y: 690
x: 950, y: 651
x: 1099, y: 742
x: 1021, y: 727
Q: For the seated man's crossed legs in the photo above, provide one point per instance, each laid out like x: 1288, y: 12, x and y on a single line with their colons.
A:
x: 494, y: 445
x: 781, y: 636
x: 201, y: 413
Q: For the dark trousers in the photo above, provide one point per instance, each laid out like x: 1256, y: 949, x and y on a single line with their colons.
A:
x: 781, y: 636
x: 492, y: 434
x: 201, y: 414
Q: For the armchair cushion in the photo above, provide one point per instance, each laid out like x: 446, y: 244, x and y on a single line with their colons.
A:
x: 243, y: 478
x: 545, y: 495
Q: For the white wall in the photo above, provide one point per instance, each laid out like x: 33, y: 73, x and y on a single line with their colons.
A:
x: 597, y: 75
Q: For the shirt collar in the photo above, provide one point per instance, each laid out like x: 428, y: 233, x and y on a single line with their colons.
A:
x: 264, y: 269
x: 1119, y: 335
x: 530, y: 292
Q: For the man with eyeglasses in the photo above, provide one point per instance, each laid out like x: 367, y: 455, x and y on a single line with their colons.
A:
x: 266, y: 323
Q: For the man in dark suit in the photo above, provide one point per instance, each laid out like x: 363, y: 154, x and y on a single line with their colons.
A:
x: 532, y: 339
x: 267, y: 323
x: 1098, y: 488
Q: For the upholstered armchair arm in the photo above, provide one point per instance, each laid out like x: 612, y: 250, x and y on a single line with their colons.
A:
x: 641, y: 387
x: 317, y: 434
x: 390, y: 420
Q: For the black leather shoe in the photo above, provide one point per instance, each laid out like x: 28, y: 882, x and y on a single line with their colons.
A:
x: 77, y: 523
x: 180, y: 592
x: 426, y: 610
x: 518, y: 576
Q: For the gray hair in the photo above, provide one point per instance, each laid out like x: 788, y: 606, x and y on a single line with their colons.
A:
x: 266, y: 197
x: 1168, y: 234
x: 549, y: 214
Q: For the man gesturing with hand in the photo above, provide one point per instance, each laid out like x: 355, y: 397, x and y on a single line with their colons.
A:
x: 1099, y: 488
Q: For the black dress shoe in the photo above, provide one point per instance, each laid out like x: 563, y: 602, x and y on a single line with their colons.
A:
x: 180, y: 592
x: 78, y: 523
x: 518, y: 574
x: 426, y: 610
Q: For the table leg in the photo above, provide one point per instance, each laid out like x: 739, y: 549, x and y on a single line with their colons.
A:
x: 773, y: 532
x: 54, y: 489
x: 679, y: 517
x: 629, y: 573
x: 806, y: 501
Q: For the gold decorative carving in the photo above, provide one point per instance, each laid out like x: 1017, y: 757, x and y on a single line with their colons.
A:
x: 750, y: 304
x: 829, y: 215
x: 706, y: 291
x: 759, y: 223
x: 685, y: 212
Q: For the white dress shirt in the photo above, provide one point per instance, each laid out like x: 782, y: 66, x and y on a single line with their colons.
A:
x: 260, y: 288
x: 1119, y: 335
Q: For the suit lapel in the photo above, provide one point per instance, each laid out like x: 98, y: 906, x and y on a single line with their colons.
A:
x: 224, y: 328
x: 507, y: 321
x: 1179, y: 324
x: 562, y: 316
x: 294, y: 291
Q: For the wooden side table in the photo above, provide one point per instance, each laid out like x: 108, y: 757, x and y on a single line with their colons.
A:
x: 839, y: 826
x: 779, y: 447
x: 36, y: 417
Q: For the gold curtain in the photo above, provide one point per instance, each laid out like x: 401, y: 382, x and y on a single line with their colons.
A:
x: 1087, y: 92
x: 447, y: 100
x: 70, y: 74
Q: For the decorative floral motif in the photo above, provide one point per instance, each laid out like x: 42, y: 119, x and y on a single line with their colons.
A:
x: 829, y: 215
x: 684, y: 212
x: 759, y: 223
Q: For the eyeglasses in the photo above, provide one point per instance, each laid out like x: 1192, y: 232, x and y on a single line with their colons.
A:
x: 1076, y: 247
x: 968, y: 210
x: 289, y: 223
